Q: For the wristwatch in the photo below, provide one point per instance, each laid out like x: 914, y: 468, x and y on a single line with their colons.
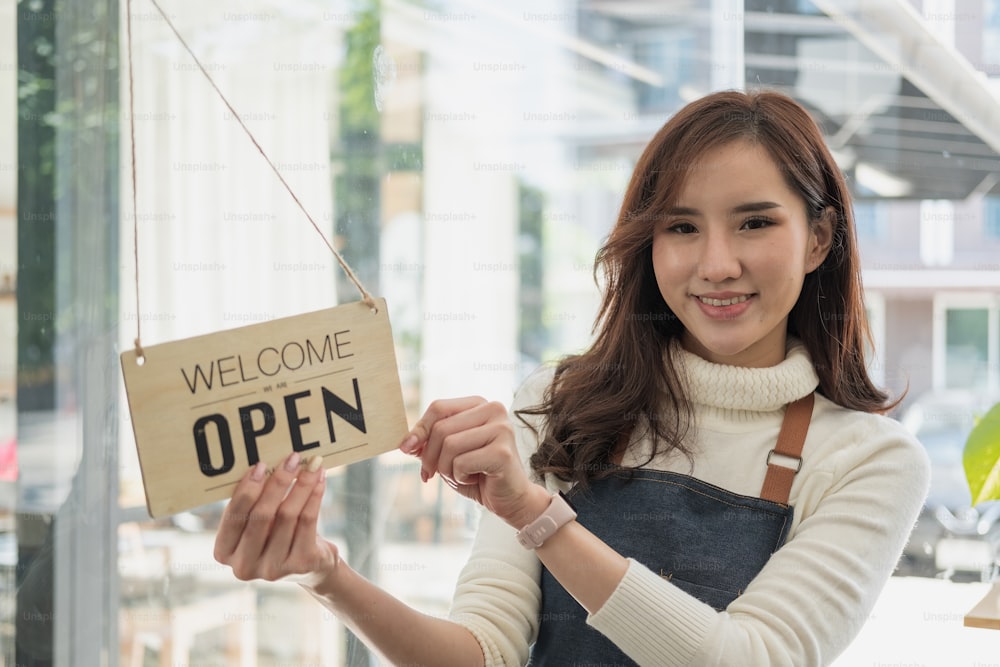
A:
x: 556, y: 515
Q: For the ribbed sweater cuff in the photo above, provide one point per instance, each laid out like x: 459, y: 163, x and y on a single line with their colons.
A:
x: 653, y: 621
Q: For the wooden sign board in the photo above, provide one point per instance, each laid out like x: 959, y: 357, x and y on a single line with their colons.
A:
x: 205, y: 409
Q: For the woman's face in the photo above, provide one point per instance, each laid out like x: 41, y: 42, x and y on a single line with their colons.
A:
x: 731, y: 255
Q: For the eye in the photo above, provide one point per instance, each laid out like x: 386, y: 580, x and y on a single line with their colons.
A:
x: 757, y: 223
x: 681, y: 228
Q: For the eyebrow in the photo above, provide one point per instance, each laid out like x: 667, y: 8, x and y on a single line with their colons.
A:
x: 749, y: 207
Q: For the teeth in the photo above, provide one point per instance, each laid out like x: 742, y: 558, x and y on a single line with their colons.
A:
x: 723, y: 302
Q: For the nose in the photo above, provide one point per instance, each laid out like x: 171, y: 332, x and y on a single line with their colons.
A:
x: 718, y: 259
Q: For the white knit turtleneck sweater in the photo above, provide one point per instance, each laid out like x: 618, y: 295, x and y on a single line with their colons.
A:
x: 861, y: 486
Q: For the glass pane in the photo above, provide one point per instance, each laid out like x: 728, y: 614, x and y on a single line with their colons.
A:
x: 462, y: 163
x: 966, y: 351
x: 66, y: 315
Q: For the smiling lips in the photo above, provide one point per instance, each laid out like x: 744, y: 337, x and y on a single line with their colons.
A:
x: 723, y: 302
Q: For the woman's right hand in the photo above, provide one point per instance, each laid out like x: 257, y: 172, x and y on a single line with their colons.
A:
x: 268, y: 530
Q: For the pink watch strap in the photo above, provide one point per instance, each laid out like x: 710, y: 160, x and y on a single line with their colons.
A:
x: 556, y: 515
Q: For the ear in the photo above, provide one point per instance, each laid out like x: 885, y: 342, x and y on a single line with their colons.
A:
x: 820, y: 239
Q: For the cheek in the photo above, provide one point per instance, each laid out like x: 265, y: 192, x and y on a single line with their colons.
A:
x: 791, y: 287
x: 665, y: 271
x: 666, y: 261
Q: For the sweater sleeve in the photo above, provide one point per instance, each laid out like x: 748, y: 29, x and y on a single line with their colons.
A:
x: 498, y: 595
x: 855, y: 513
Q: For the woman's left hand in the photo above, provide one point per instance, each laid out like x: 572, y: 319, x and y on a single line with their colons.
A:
x: 470, y: 443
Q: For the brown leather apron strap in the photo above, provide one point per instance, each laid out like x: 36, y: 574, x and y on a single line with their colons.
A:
x: 779, y: 478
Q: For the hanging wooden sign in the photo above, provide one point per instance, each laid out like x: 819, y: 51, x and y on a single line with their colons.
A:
x: 205, y: 409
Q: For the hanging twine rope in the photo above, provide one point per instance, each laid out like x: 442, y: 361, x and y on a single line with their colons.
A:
x: 366, y: 297
x: 140, y: 355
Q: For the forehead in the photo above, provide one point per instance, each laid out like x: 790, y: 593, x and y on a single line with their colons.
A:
x: 739, y: 169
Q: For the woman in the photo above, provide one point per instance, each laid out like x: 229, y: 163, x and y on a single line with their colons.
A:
x: 690, y: 532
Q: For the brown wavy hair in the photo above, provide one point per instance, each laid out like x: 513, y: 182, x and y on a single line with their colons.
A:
x: 625, y: 386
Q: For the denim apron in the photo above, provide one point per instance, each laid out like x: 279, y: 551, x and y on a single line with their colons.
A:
x: 706, y: 540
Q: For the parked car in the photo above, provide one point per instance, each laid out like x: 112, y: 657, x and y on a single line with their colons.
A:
x: 951, y: 539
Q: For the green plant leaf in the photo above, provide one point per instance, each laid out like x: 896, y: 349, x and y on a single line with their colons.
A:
x: 981, y: 458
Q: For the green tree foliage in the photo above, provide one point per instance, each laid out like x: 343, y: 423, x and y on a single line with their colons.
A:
x: 67, y: 132
x: 36, y: 74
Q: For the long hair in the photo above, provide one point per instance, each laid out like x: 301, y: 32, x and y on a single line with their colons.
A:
x: 625, y: 386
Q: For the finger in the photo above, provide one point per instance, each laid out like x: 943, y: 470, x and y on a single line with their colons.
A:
x: 464, y: 432
x: 261, y: 515
x: 303, y: 555
x: 279, y: 540
x: 411, y: 444
x: 500, y: 497
x: 439, y: 409
x: 471, y: 415
x: 491, y: 462
x: 234, y: 517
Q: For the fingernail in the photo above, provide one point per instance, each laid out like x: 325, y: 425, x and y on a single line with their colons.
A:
x: 423, y: 475
x: 315, y: 463
x: 258, y: 471
x: 410, y: 444
x: 292, y: 462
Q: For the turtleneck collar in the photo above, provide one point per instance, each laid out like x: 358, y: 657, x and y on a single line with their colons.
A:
x: 741, y: 392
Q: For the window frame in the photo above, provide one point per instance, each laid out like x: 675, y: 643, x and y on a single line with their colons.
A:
x: 944, y: 301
